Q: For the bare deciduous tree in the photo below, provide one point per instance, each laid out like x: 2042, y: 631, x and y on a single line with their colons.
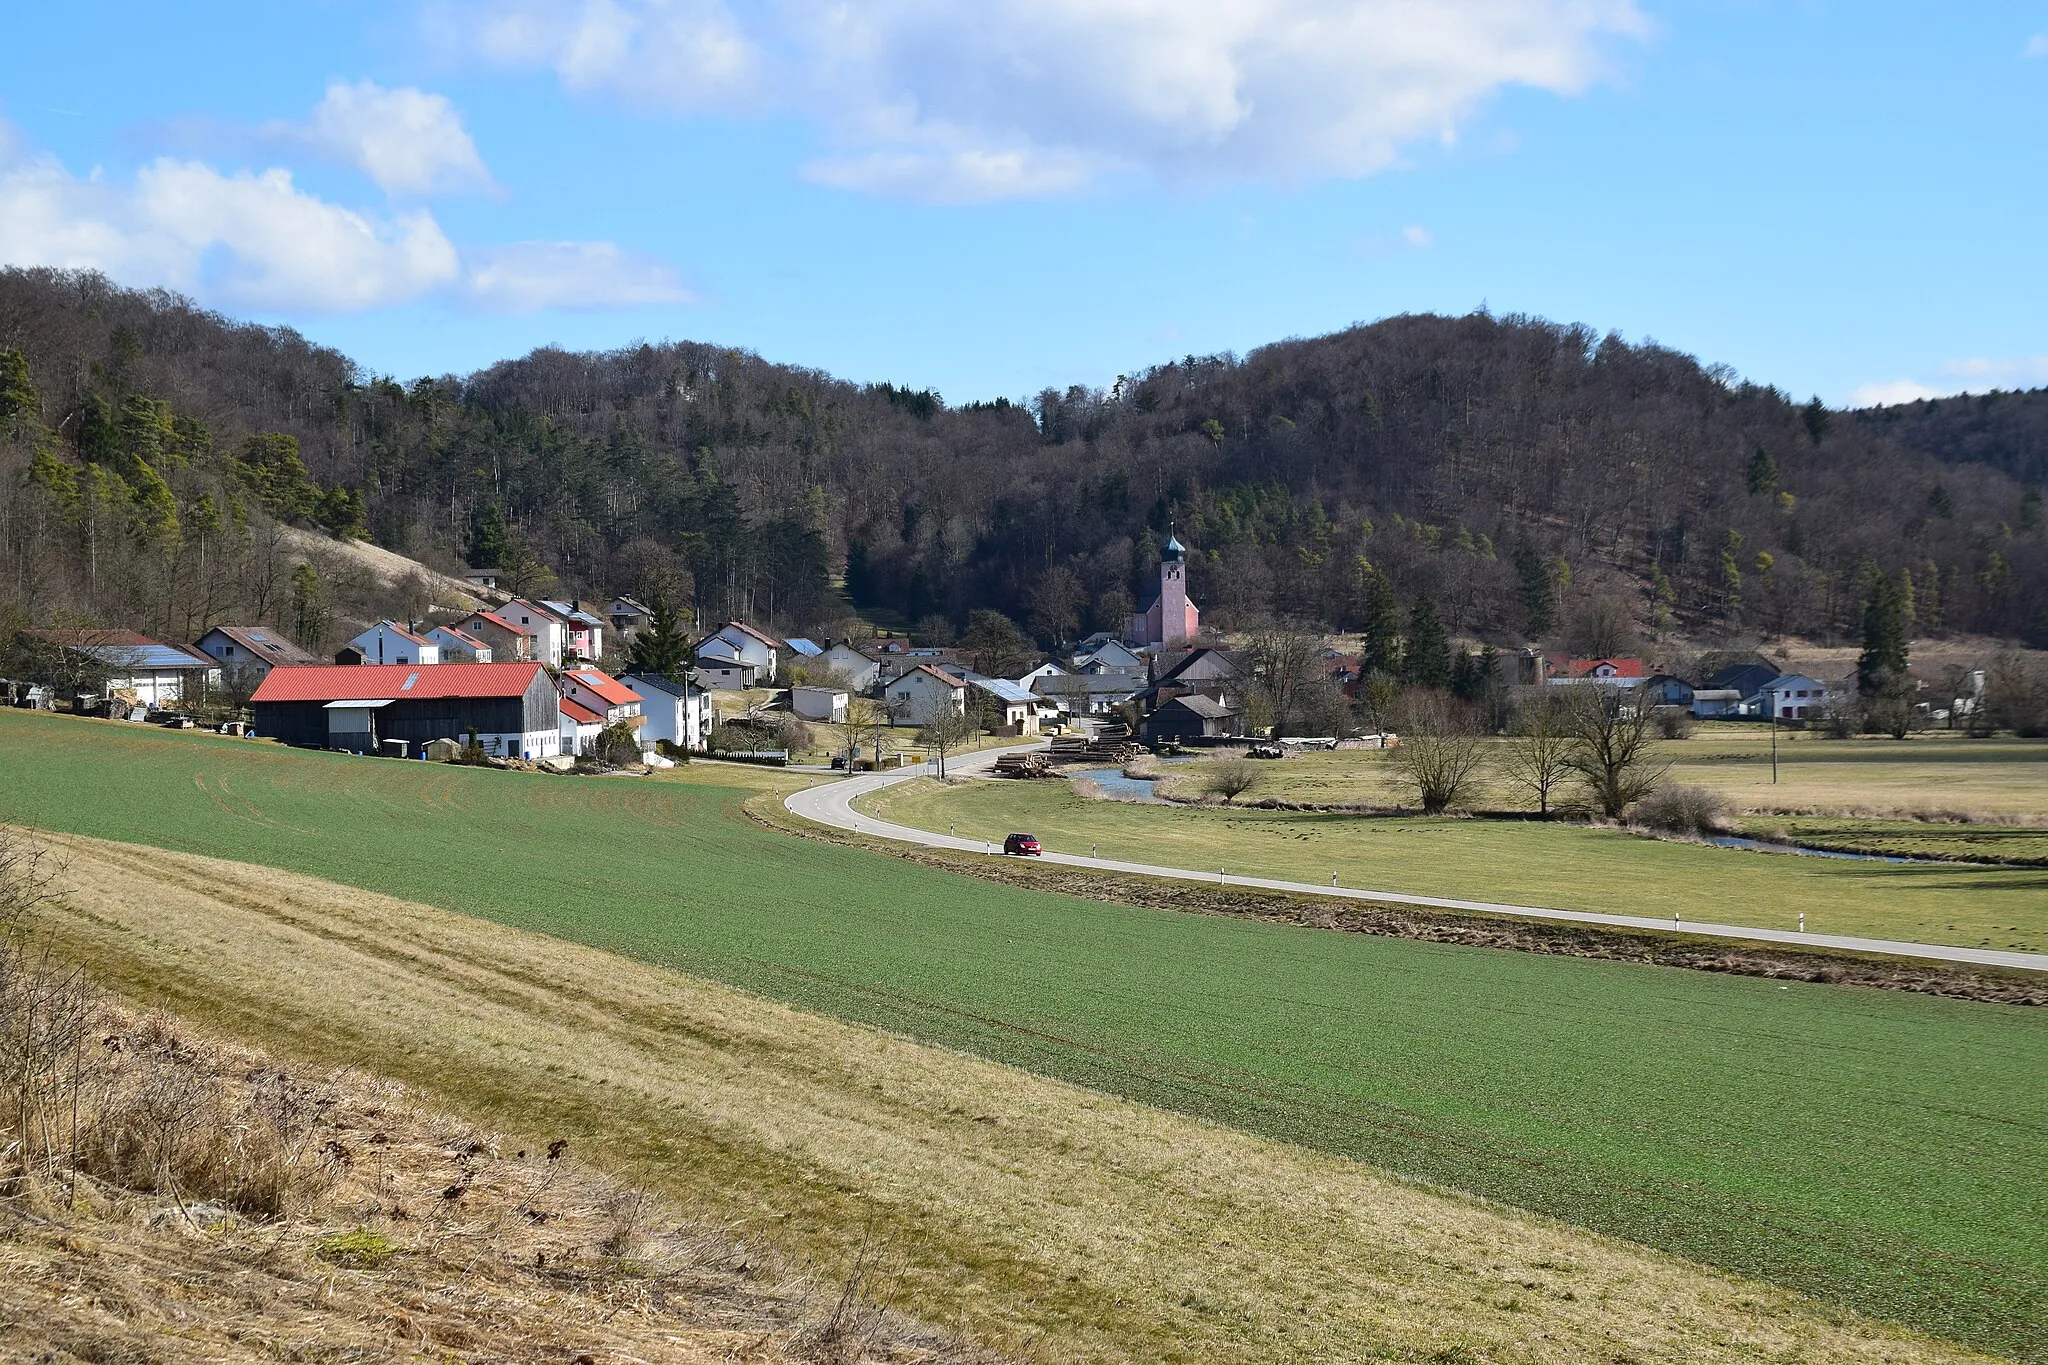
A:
x: 1535, y: 758
x: 1442, y: 750
x: 1613, y: 746
x: 944, y: 731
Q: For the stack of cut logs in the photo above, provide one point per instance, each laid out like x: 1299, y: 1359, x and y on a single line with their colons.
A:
x: 1022, y: 765
x: 1101, y: 750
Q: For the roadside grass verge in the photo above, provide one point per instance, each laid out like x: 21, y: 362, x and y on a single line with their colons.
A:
x: 1554, y: 864
x: 1055, y: 1221
x: 1878, y: 1150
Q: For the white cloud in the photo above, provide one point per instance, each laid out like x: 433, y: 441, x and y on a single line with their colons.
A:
x: 2037, y: 46
x: 1885, y: 392
x: 1975, y: 375
x: 526, y: 276
x: 947, y: 99
x: 256, y: 240
x: 408, y: 141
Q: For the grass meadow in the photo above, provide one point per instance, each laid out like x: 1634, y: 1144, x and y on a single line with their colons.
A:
x: 1881, y: 1151
x: 1931, y: 772
x: 1561, y: 865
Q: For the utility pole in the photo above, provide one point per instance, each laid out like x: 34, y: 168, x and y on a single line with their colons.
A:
x: 1773, y: 703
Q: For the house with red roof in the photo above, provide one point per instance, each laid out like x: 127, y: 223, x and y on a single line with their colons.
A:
x: 247, y: 653
x: 1564, y: 670
x: 597, y: 693
x: 547, y: 631
x: 508, y: 643
x: 580, y: 727
x: 512, y: 708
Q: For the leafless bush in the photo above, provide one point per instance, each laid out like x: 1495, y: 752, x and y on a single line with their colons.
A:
x: 1231, y: 777
x: 1677, y: 809
x: 1613, y: 747
x: 1442, y: 751
x: 1535, y: 757
x: 1673, y: 722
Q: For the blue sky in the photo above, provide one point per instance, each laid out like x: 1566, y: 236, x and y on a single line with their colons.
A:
x: 988, y: 198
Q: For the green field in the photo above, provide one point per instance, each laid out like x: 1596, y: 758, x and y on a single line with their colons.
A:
x: 1564, y: 866
x: 1881, y: 1150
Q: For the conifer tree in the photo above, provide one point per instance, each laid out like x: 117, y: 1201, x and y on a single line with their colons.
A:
x: 1426, y: 656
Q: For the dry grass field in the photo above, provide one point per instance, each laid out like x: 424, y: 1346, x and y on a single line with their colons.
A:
x: 1937, y: 773
x: 1034, y: 1216
x: 405, y: 1233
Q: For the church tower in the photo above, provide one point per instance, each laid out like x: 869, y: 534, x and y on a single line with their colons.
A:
x: 1171, y: 618
x: 1176, y: 614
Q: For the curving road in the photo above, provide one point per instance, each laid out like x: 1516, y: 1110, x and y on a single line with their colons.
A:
x: 832, y: 804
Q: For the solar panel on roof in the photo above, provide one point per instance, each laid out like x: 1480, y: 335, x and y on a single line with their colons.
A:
x: 410, y: 679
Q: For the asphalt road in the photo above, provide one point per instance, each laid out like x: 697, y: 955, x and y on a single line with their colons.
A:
x: 832, y: 804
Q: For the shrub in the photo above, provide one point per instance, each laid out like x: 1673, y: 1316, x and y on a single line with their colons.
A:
x: 616, y: 746
x: 1673, y: 722
x: 1676, y: 809
x: 1231, y: 778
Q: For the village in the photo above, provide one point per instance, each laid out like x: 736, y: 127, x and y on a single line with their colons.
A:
x: 551, y: 682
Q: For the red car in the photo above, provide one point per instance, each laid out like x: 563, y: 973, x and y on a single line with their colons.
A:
x: 1022, y: 846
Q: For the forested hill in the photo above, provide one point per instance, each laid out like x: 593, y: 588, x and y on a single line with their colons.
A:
x: 1530, y: 478
x: 2007, y: 430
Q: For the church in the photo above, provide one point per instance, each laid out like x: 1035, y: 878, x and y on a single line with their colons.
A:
x: 1171, y: 619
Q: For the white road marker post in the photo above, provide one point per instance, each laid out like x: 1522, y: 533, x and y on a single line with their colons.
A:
x: 1674, y: 919
x: 1802, y: 921
x: 1333, y: 879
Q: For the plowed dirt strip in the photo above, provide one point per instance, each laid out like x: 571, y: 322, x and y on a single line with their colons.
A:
x: 1032, y: 1213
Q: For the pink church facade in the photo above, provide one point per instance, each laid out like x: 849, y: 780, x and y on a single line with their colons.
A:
x: 1172, y: 618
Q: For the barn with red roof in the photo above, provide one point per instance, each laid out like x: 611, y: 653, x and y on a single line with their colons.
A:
x: 513, y: 708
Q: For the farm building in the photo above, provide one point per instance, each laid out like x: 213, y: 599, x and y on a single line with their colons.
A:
x: 121, y: 661
x: 247, y: 653
x: 1016, y: 705
x: 725, y: 675
x: 819, y: 703
x: 1189, y: 717
x: 676, y: 711
x: 513, y: 708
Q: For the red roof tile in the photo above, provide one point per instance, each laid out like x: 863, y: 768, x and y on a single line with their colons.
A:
x: 372, y: 682
x: 580, y: 713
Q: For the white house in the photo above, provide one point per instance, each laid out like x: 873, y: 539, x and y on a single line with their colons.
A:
x: 1791, y: 696
x: 459, y: 646
x: 615, y: 702
x: 580, y: 726
x: 738, y: 640
x: 1044, y: 670
x: 1111, y: 656
x: 860, y: 671
x: 542, y: 627
x: 248, y: 653
x: 1017, y: 705
x: 387, y: 642
x: 679, y: 712
x: 1710, y: 702
x: 923, y: 694
x: 827, y: 704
